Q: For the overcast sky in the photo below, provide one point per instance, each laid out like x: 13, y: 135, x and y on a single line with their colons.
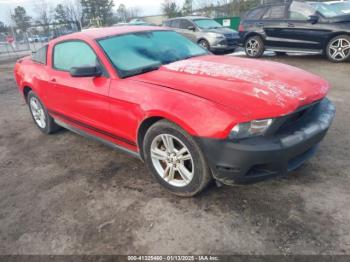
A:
x: 146, y: 7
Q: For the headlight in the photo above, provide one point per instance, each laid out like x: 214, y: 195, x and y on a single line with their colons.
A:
x: 250, y: 129
x: 216, y: 35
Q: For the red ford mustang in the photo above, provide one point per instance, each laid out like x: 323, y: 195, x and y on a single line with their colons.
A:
x: 189, y: 115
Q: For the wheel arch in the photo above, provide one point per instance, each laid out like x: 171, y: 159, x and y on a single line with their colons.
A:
x: 331, y: 36
x: 150, y: 120
x: 26, y: 90
x: 250, y: 34
x: 202, y: 38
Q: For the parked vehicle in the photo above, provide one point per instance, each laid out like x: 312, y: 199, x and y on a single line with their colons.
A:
x: 37, y: 38
x: 206, y: 32
x: 296, y: 27
x: 139, y: 22
x: 189, y: 115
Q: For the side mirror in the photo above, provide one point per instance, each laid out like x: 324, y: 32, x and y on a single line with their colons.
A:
x: 85, y: 71
x: 191, y: 28
x: 313, y: 19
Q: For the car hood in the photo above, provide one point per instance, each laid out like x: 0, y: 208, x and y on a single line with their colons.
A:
x: 255, y: 89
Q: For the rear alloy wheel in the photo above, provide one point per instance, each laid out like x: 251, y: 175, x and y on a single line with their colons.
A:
x: 204, y: 43
x: 41, y: 117
x: 338, y: 49
x: 254, y: 46
x: 175, y: 159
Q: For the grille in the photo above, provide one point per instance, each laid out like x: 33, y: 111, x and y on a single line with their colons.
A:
x: 295, y: 120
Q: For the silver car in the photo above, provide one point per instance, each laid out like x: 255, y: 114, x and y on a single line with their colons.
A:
x: 206, y: 32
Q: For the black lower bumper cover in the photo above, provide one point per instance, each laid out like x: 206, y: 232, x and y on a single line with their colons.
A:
x: 255, y: 159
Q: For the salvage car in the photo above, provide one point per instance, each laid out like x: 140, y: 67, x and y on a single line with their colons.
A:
x: 189, y: 115
x: 296, y: 27
x: 206, y: 32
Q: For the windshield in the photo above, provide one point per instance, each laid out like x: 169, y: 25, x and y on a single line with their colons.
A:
x: 342, y: 7
x: 206, y: 23
x: 332, y: 9
x: 140, y: 52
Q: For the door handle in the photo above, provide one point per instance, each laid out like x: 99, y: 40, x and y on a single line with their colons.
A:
x: 53, y: 80
x: 259, y: 24
x: 290, y: 25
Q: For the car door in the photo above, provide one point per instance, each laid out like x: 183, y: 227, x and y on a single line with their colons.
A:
x: 273, y: 23
x: 302, y: 32
x: 79, y: 100
x: 188, y: 29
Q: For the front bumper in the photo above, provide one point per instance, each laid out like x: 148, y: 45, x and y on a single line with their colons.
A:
x: 254, y: 159
x: 224, y: 45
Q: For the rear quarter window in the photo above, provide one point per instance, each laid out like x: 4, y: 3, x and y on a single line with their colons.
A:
x: 255, y: 14
x: 275, y: 12
x: 40, y: 56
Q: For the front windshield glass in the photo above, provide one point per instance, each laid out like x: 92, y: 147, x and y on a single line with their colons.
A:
x: 206, y: 23
x: 139, y: 52
x: 331, y: 10
x: 342, y: 7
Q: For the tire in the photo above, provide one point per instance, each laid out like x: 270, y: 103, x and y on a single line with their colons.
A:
x: 254, y: 46
x: 39, y: 113
x: 162, y: 164
x: 204, y: 43
x: 338, y: 49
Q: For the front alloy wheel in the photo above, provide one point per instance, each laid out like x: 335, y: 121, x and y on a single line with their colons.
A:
x: 172, y: 160
x: 175, y: 159
x: 204, y: 43
x: 338, y: 49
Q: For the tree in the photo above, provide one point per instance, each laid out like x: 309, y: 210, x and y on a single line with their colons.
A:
x: 122, y: 13
x: 170, y: 8
x: 21, y: 19
x: 3, y: 28
x: 73, y: 12
x: 61, y: 14
x: 45, y: 15
x: 187, y: 7
x: 98, y: 11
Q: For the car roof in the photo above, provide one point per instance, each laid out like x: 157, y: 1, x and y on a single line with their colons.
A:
x: 189, y: 17
x: 97, y: 33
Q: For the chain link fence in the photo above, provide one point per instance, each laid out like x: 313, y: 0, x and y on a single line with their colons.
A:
x: 16, y: 44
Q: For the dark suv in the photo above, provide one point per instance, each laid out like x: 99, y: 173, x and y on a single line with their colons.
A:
x: 296, y: 27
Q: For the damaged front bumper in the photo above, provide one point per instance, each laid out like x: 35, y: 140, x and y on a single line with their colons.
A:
x: 294, y: 140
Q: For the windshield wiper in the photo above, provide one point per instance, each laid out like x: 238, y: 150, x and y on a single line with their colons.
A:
x: 141, y: 70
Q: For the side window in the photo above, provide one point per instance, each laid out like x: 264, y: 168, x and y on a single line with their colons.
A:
x: 40, y: 55
x: 255, y: 14
x: 175, y: 23
x: 73, y: 54
x: 275, y: 12
x: 300, y: 11
x: 185, y: 24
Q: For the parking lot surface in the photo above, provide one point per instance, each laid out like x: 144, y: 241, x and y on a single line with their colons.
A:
x: 65, y: 194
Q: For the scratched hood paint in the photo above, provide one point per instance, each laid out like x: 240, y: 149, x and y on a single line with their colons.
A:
x: 255, y: 88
